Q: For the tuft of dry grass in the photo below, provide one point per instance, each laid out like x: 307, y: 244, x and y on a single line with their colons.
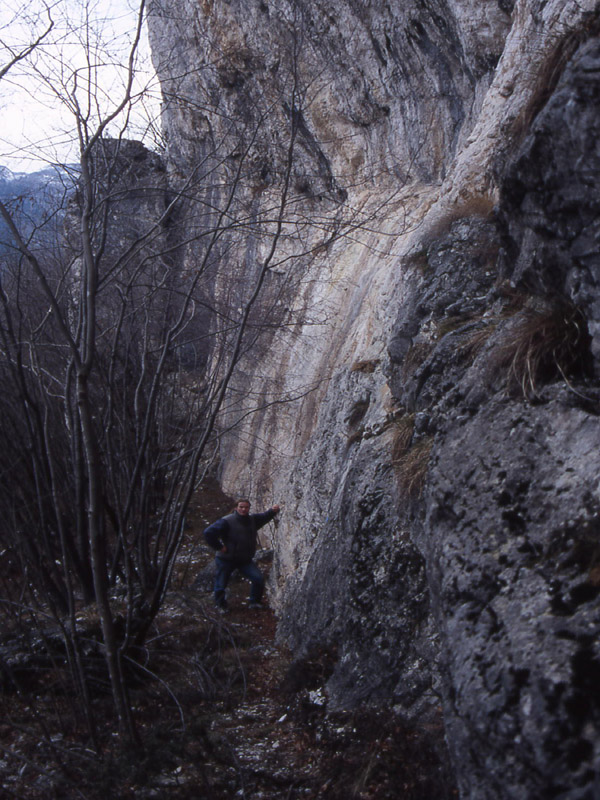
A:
x: 417, y: 354
x: 368, y: 366
x: 411, y: 468
x: 403, y: 428
x: 475, y: 340
x: 451, y: 324
x: 547, y: 343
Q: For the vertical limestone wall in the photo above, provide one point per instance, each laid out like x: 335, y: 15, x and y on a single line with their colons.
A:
x: 436, y: 456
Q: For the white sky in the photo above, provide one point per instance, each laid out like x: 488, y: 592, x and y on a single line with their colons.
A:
x: 90, y: 38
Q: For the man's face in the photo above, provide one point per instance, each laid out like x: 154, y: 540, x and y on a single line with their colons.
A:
x: 243, y: 509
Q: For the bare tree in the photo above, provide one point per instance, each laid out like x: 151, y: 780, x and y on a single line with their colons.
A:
x: 117, y: 355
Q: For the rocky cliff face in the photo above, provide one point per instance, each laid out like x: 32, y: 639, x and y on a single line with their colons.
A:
x: 439, y: 465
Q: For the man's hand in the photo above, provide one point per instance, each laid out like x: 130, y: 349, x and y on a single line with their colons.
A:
x: 275, y: 509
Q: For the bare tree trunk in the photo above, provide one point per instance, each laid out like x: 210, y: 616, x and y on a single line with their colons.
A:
x: 95, y: 511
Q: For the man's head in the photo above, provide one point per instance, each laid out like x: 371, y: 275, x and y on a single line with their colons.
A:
x: 243, y: 506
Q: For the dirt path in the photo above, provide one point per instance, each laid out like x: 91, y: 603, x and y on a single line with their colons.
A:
x: 265, y: 734
x: 222, y: 711
x: 258, y: 736
x: 257, y: 720
x: 256, y: 743
x: 251, y: 738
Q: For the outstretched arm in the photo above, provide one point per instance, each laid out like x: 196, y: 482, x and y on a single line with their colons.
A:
x: 265, y: 516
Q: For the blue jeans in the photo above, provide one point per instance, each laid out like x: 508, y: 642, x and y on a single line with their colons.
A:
x: 225, y: 568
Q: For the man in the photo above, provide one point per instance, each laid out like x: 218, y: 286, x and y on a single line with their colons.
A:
x: 234, y: 539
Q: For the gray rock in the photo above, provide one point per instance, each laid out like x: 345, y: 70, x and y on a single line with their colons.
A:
x: 550, y: 205
x: 510, y: 536
x: 439, y: 532
x: 509, y: 518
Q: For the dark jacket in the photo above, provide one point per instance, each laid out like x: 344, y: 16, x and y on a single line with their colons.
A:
x: 238, y: 534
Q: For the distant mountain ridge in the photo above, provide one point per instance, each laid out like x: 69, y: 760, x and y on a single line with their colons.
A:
x: 33, y: 198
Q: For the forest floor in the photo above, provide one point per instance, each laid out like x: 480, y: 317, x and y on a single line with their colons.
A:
x: 223, y: 712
